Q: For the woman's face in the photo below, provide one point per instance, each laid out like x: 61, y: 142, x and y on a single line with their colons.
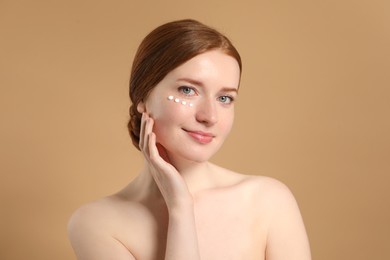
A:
x: 193, y: 106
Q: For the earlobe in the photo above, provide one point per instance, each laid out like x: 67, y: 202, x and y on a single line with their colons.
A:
x: 141, y: 107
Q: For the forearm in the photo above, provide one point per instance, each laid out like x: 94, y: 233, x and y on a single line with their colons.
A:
x: 182, y: 239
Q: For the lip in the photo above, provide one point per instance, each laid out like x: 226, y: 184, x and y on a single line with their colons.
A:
x: 200, y: 137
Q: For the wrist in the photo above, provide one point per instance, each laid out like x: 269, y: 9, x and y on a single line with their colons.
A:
x: 181, y: 206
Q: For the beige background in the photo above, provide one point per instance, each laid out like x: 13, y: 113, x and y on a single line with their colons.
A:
x: 313, y: 112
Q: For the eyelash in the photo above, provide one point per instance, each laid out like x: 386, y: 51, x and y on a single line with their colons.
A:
x: 231, y: 99
x: 182, y: 88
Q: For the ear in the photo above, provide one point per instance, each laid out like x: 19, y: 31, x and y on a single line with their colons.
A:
x: 141, y: 107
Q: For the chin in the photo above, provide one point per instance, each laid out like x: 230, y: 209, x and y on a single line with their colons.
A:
x: 190, y: 158
x: 199, y: 154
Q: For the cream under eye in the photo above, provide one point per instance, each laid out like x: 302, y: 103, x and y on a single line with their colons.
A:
x: 180, y: 101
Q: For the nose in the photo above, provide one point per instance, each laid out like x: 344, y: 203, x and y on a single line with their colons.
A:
x: 206, y: 112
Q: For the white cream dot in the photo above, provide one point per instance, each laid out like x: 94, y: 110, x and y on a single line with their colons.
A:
x: 170, y: 97
x: 177, y: 100
x: 191, y: 104
x: 184, y: 103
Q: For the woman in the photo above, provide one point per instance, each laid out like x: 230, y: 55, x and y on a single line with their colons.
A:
x: 184, y: 81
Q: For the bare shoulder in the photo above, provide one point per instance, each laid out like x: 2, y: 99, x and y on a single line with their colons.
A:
x: 92, y: 231
x: 90, y: 214
x: 274, y: 203
x: 268, y: 196
x: 276, y: 206
x: 90, y: 220
x: 274, y: 197
x: 263, y: 187
x: 103, y: 215
x: 270, y: 188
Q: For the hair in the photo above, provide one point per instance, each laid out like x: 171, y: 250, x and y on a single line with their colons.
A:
x: 164, y: 49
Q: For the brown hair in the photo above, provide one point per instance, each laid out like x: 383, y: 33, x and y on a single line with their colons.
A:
x: 164, y: 49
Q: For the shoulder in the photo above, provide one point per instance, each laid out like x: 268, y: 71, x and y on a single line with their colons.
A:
x: 267, y: 195
x: 92, y: 231
x: 262, y: 187
x: 270, y: 195
x: 270, y: 188
x: 84, y: 213
x: 276, y: 205
x: 103, y: 213
x: 95, y: 211
x: 267, y: 192
x: 85, y: 221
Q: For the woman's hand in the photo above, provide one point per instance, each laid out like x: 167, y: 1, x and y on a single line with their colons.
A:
x: 182, y: 240
x: 171, y: 184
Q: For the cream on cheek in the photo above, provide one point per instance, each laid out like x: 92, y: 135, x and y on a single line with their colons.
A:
x: 173, y: 108
x: 180, y: 101
x: 170, y: 116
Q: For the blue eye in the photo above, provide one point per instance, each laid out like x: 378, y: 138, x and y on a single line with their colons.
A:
x: 187, y: 90
x: 225, y: 99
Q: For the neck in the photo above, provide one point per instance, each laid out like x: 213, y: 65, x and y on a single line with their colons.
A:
x: 197, y: 175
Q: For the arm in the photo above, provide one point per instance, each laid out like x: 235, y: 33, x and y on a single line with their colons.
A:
x: 182, y: 240
x: 287, y: 239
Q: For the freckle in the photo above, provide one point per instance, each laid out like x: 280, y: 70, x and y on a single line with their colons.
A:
x: 184, y: 103
x: 177, y: 100
x: 170, y: 97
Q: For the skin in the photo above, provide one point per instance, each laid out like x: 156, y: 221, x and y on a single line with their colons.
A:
x: 180, y: 206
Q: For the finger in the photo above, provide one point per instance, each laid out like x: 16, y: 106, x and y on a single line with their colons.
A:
x: 142, y: 132
x: 153, y: 152
x: 155, y: 157
x: 148, y: 128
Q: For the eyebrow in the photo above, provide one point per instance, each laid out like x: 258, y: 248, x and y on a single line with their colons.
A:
x: 199, y: 83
